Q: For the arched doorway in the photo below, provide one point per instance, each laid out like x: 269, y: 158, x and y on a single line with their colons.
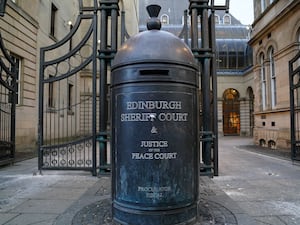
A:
x: 231, y: 112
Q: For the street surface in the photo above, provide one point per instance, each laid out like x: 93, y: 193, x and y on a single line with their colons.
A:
x: 251, y: 189
x: 28, y: 197
x: 265, y: 187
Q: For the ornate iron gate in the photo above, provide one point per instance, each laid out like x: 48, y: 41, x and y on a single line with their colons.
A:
x: 8, y: 74
x: 205, y: 54
x: 70, y: 100
x: 69, y: 129
x: 294, y: 70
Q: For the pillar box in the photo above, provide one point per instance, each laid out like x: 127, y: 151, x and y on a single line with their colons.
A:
x: 155, y: 145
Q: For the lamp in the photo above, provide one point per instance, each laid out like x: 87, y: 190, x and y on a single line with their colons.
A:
x: 2, y: 7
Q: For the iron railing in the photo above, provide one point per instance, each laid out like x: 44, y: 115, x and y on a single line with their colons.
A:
x: 8, y: 76
x: 294, y: 71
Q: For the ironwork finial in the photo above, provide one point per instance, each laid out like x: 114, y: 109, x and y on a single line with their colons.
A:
x: 153, y: 23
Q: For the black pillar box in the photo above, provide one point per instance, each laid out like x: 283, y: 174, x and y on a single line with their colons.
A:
x: 154, y: 93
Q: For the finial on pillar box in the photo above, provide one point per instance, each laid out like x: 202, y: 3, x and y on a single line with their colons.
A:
x: 153, y: 23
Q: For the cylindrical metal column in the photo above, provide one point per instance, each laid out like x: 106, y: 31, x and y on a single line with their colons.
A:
x: 103, y: 86
x: 154, y: 92
x: 215, y: 93
x: 106, y: 54
x: 206, y: 87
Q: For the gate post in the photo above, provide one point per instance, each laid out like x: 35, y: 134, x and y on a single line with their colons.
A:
x: 205, y: 54
x: 294, y: 106
x: 108, y: 8
x: 2, y: 7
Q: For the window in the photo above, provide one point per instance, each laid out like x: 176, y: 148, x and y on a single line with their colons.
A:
x: 241, y: 59
x: 296, y: 79
x: 272, y: 77
x: 222, y: 61
x: 231, y: 112
x: 227, y: 19
x: 223, y: 56
x: 18, y: 61
x: 217, y: 19
x: 262, y: 5
x: 263, y: 82
x: 298, y: 42
x: 188, y: 20
x: 297, y: 76
x: 232, y: 59
x: 53, y: 19
x: 164, y: 19
x: 51, y: 93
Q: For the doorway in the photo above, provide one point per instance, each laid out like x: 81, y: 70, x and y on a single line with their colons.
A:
x: 231, y: 112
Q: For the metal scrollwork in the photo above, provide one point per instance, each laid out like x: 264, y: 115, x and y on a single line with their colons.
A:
x: 8, y: 85
x: 71, y: 156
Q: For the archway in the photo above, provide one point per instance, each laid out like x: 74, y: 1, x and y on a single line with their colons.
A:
x: 231, y: 112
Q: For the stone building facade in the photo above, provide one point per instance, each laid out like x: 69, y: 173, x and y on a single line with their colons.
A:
x: 249, y: 88
x: 25, y: 28
x: 275, y: 39
x: 20, y: 38
x: 234, y: 61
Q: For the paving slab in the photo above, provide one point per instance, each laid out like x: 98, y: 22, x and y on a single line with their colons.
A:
x: 5, y: 217
x: 43, y: 206
x: 290, y: 220
x: 34, y: 218
x: 214, y: 207
x: 266, y: 187
x: 59, y: 193
x: 251, y: 189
